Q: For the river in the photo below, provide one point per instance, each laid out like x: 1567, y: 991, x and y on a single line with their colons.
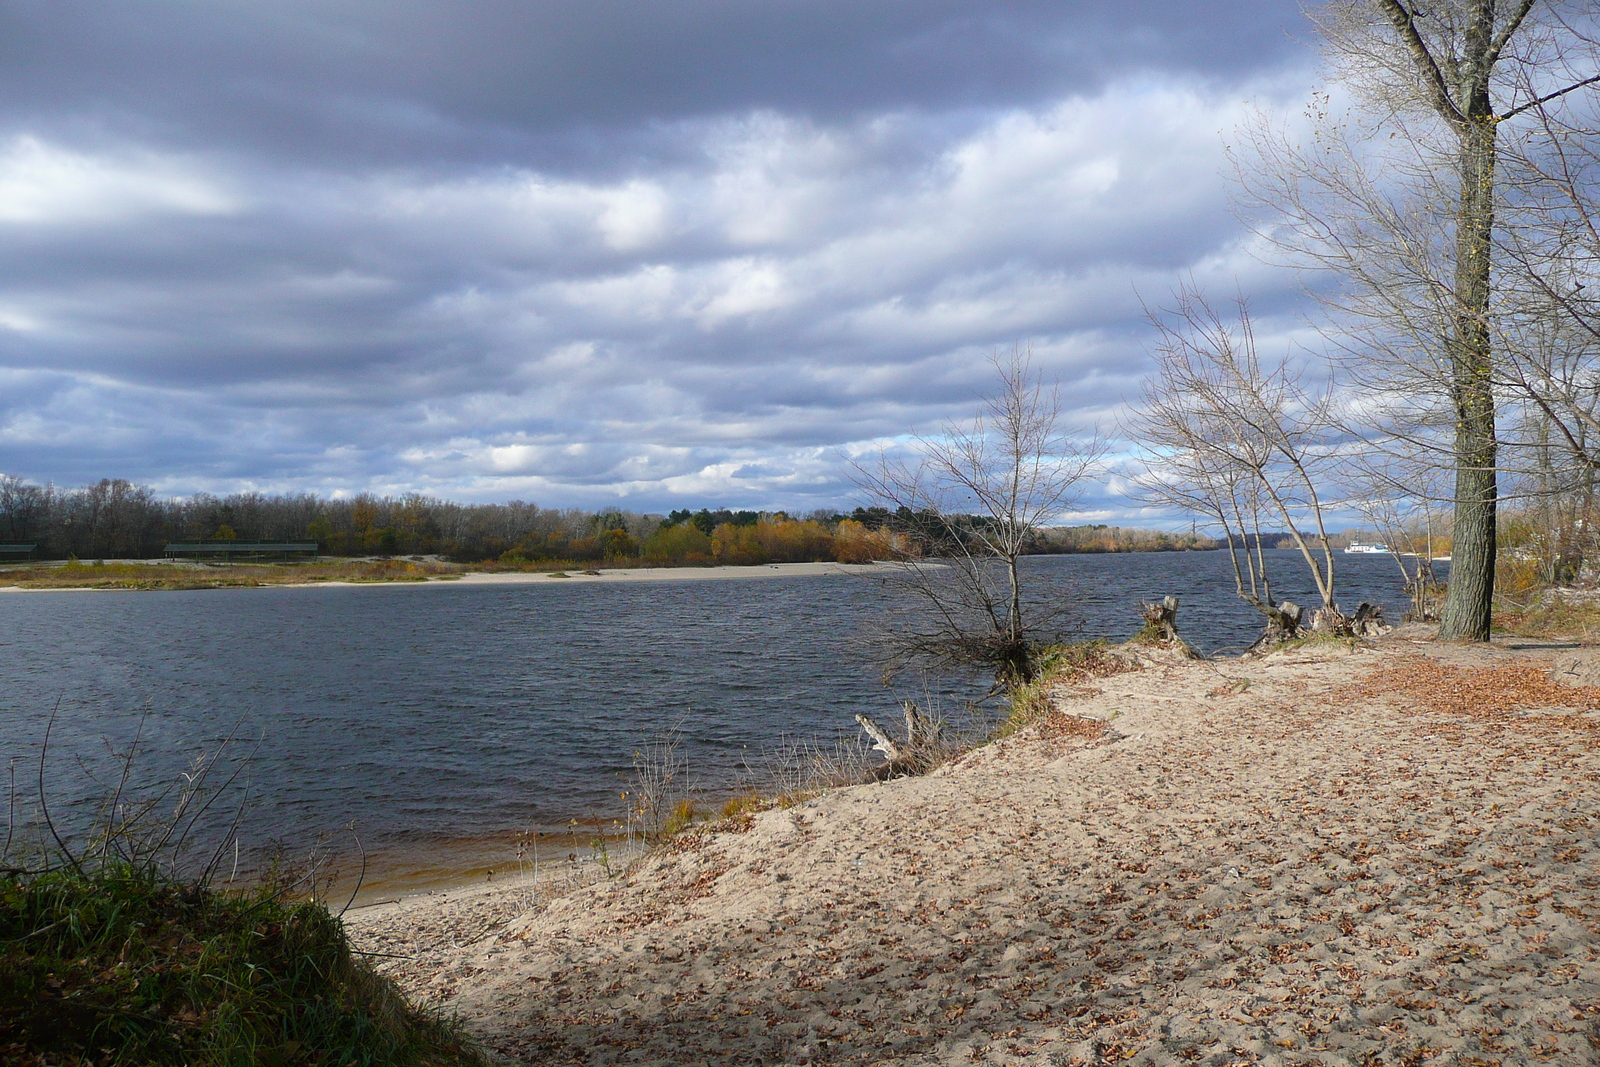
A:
x: 441, y: 721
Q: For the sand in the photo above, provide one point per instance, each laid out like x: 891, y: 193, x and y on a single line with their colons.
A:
x: 621, y: 574
x: 1320, y: 857
x: 673, y: 574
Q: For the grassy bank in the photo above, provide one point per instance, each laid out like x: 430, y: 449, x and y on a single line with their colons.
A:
x: 1552, y: 616
x: 126, y: 966
x: 78, y: 575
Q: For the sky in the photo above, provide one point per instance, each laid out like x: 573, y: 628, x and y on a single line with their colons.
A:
x: 597, y: 253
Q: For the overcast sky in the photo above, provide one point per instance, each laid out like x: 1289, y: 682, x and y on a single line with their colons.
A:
x: 592, y: 252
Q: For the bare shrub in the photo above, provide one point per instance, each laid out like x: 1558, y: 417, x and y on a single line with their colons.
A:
x: 969, y: 508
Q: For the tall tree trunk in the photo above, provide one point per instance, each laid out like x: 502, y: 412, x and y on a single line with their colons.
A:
x: 1470, y: 599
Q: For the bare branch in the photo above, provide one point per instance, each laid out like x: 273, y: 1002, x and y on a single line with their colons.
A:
x: 1405, y: 24
x: 1541, y: 101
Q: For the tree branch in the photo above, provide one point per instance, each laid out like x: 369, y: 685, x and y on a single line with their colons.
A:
x: 1574, y: 87
x: 1505, y: 34
x: 1405, y: 24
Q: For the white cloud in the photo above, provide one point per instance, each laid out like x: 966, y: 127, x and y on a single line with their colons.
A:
x: 634, y: 216
x: 43, y: 184
x: 18, y: 321
x: 717, y: 324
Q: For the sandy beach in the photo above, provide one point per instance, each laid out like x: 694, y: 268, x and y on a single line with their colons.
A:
x: 674, y: 574
x: 621, y: 574
x: 1389, y: 855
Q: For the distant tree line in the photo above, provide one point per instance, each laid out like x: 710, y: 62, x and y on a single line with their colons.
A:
x: 117, y: 519
x: 1102, y: 538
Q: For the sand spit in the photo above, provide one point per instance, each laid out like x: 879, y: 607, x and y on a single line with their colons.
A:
x: 613, y: 576
x: 672, y: 574
x: 618, y: 575
x: 1369, y: 857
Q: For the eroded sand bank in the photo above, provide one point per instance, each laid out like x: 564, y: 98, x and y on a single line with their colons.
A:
x: 1367, y: 857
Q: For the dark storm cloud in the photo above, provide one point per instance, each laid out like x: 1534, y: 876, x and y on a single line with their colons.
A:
x: 660, y: 252
x: 532, y: 81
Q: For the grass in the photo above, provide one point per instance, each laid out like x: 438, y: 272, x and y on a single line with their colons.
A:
x: 117, y: 946
x: 683, y: 815
x: 1311, y: 639
x: 1060, y: 665
x: 1555, y: 617
x: 77, y: 575
x: 126, y: 965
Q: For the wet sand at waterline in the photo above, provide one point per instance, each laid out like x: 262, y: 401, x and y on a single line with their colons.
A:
x: 1386, y: 855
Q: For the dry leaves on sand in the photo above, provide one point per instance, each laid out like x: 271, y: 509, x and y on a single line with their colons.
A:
x: 1057, y: 726
x: 1499, y: 694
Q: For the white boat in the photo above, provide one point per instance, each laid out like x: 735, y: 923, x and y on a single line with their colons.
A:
x: 1369, y: 550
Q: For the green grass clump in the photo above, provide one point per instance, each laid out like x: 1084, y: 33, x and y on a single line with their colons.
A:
x: 682, y: 817
x: 121, y: 965
x: 1305, y: 640
x: 1054, y: 665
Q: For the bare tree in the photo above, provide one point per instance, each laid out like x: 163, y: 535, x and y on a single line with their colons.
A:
x: 1398, y: 196
x: 1399, y: 500
x: 1549, y: 274
x: 1226, y: 437
x: 968, y: 509
x: 23, y: 508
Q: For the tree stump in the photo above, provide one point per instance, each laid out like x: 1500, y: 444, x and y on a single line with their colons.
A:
x: 1160, y: 629
x: 1368, y: 621
x: 1160, y: 620
x: 1283, y: 624
x: 1427, y: 598
x: 1331, y: 622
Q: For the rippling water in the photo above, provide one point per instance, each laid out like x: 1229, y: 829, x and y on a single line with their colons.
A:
x: 441, y: 714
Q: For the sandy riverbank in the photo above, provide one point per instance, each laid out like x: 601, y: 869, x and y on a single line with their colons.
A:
x: 618, y: 575
x: 470, y: 577
x: 676, y: 574
x: 1386, y: 856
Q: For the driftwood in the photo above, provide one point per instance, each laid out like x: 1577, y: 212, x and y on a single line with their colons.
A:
x: 912, y: 756
x: 885, y: 744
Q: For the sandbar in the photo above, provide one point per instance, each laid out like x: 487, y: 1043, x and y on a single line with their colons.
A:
x: 469, y: 577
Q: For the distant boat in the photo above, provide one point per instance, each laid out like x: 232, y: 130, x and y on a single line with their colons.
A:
x: 1369, y: 550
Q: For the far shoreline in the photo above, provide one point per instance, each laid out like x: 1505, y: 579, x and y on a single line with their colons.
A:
x: 726, y: 572
x: 468, y: 576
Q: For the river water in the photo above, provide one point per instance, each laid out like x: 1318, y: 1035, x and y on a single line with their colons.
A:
x: 442, y: 720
